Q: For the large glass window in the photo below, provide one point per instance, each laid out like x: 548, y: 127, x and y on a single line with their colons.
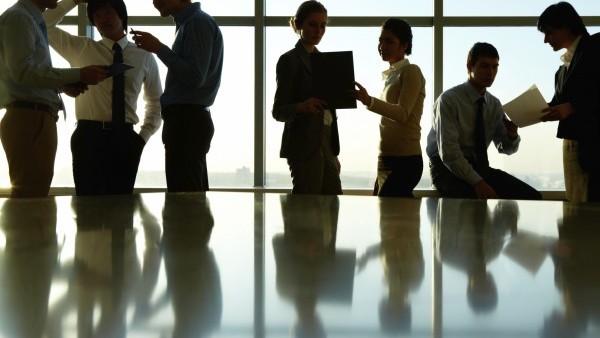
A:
x: 524, y: 61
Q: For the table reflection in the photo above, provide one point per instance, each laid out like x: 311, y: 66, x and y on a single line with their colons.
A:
x: 309, y: 268
x: 268, y: 265
x: 27, y: 265
x: 106, y: 275
x: 401, y: 254
x: 468, y: 237
x: 577, y: 273
x: 193, y: 280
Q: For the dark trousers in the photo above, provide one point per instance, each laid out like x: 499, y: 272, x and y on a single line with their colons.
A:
x: 187, y: 133
x: 505, y: 185
x: 105, y: 161
x: 397, y: 176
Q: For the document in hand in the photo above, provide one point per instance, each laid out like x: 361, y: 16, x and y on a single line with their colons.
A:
x: 526, y: 109
x: 118, y: 68
x: 333, y: 78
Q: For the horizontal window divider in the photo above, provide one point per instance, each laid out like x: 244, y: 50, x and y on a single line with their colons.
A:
x: 352, y: 21
x: 500, y: 21
x: 547, y: 195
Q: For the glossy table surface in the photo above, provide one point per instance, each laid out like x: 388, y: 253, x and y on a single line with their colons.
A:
x: 226, y: 264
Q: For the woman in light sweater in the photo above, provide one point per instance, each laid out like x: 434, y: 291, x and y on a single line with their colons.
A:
x: 400, y: 105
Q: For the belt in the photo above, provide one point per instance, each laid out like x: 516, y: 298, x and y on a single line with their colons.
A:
x: 34, y: 106
x: 185, y: 107
x: 106, y: 125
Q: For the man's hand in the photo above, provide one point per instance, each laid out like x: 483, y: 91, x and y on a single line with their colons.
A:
x: 511, y: 129
x: 74, y: 90
x: 92, y: 75
x: 147, y: 41
x: 558, y: 112
x: 484, y: 191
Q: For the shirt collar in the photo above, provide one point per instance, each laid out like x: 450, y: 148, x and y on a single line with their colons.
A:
x: 473, y: 93
x: 33, y: 10
x: 395, y: 67
x: 181, y: 17
x: 568, y: 55
x: 108, y: 43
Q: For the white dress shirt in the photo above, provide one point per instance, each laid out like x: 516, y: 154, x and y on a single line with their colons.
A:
x: 568, y: 55
x: 96, y: 103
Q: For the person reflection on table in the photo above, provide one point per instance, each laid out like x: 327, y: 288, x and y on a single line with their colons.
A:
x: 106, y: 273
x: 577, y: 273
x: 401, y: 254
x: 468, y: 238
x: 193, y: 277
x: 308, y: 267
x: 27, y: 264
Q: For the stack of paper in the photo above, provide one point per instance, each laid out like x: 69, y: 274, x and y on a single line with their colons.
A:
x: 526, y: 109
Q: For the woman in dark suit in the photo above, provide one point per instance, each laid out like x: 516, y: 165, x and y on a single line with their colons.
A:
x: 576, y: 101
x: 310, y: 140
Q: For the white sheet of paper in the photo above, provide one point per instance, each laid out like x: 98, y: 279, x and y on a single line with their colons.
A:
x: 526, y: 109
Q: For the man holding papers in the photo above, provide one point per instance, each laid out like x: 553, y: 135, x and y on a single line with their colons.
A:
x: 466, y: 119
x: 576, y: 101
x: 106, y: 149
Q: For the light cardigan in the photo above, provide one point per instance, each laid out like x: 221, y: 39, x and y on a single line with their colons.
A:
x: 401, y: 107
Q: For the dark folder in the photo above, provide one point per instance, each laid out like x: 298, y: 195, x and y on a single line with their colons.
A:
x: 118, y: 68
x: 333, y: 78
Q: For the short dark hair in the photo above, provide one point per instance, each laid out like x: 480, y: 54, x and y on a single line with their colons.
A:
x: 561, y: 15
x: 306, y: 8
x: 117, y: 5
x: 401, y: 29
x: 481, y: 49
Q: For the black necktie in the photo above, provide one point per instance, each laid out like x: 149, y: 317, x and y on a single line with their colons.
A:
x: 480, y: 141
x: 118, y: 94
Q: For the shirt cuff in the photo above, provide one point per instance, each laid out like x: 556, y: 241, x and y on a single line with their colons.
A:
x: 372, y: 103
x: 164, y: 53
x: 145, y: 135
x: 71, y: 75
